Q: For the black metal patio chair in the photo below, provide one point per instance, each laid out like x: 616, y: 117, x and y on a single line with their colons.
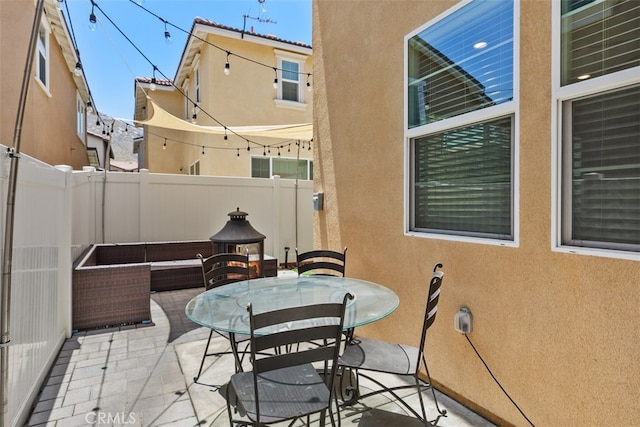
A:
x: 321, y: 261
x: 218, y: 270
x: 288, y: 386
x: 364, y: 356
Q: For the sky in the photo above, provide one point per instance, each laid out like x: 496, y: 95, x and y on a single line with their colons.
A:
x: 128, y: 41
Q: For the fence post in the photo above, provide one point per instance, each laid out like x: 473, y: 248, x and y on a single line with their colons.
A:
x: 143, y: 196
x: 65, y: 263
x: 276, y: 212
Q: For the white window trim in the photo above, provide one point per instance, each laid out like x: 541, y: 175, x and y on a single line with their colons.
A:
x: 185, y: 89
x: 81, y: 115
x: 45, y: 86
x: 559, y: 95
x: 300, y: 60
x: 485, y: 114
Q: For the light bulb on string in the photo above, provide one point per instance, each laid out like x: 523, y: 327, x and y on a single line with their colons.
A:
x: 289, y: 148
x: 164, y: 146
x: 275, y: 81
x: 225, y: 135
x: 238, y: 153
x: 152, y: 85
x: 203, y: 151
x: 308, y: 83
x: 264, y: 152
x: 227, y: 67
x: 78, y: 70
x: 248, y: 146
x: 194, y: 117
x: 89, y: 107
x: 92, y: 18
x: 167, y: 34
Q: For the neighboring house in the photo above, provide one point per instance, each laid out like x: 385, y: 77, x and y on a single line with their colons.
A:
x: 225, y: 79
x: 97, y: 146
x: 54, y: 126
x: 502, y: 139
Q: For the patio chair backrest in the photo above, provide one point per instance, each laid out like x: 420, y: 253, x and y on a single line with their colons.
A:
x: 221, y: 269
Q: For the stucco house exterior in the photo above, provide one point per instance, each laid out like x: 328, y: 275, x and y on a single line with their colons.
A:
x: 55, y: 92
x: 502, y: 139
x: 229, y: 79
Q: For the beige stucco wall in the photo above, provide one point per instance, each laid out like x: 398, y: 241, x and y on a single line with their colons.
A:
x: 243, y: 98
x: 560, y: 331
x: 49, y: 127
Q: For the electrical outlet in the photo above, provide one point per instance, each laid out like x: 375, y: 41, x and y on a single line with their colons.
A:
x: 463, y: 321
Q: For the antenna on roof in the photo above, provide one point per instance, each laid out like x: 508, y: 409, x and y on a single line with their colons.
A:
x: 261, y: 18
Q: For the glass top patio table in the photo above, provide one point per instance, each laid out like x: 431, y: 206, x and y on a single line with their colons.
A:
x: 225, y: 308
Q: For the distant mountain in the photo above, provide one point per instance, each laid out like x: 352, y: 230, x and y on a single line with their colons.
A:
x: 121, y: 134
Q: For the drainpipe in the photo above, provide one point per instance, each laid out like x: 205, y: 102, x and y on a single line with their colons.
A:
x: 14, y: 154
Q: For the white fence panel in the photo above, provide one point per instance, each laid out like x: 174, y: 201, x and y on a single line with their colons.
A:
x: 39, y: 300
x: 59, y: 213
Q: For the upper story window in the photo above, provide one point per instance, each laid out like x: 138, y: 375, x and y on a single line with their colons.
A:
x: 290, y: 81
x: 266, y: 167
x: 42, y: 63
x: 598, y: 100
x: 290, y: 70
x: 80, y: 117
x: 461, y: 124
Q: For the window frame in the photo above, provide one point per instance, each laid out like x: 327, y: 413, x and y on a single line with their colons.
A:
x: 81, y: 115
x: 561, y: 95
x: 483, y: 115
x: 43, y: 49
x: 300, y: 60
x: 308, y: 171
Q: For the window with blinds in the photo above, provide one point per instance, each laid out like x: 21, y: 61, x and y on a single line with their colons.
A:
x: 600, y: 124
x: 462, y: 181
x: 461, y: 176
x: 599, y: 37
x: 602, y: 170
x: 462, y: 63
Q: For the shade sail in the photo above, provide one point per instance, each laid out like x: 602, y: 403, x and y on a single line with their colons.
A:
x: 163, y: 119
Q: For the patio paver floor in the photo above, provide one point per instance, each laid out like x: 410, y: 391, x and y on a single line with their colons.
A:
x: 143, y: 376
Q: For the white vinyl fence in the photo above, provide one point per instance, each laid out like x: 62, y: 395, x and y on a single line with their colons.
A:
x: 59, y: 213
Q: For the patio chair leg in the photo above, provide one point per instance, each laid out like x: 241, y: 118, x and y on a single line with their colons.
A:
x: 441, y: 412
x: 204, y: 356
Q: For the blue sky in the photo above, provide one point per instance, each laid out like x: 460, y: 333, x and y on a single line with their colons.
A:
x: 111, y: 62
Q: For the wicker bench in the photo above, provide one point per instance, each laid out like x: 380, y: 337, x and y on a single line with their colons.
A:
x: 112, y: 282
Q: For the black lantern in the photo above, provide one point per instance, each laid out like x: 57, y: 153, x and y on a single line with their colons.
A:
x: 238, y: 236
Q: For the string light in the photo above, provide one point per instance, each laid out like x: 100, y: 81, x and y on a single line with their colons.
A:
x: 164, y: 146
x: 238, y: 154
x: 78, y: 70
x: 89, y: 107
x: 308, y: 83
x: 92, y: 17
x: 225, y: 134
x: 227, y: 67
x: 203, y: 151
x: 152, y: 85
x: 167, y: 34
